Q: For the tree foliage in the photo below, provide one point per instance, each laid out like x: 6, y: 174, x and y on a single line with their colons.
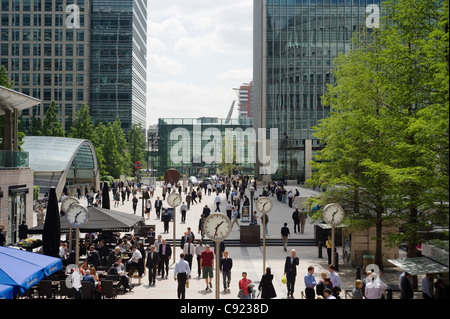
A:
x: 385, y: 153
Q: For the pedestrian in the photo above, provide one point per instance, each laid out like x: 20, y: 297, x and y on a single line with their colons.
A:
x: 207, y: 265
x: 158, y: 206
x: 357, y: 290
x: 135, y: 203
x: 166, y: 219
x: 226, y: 264
x: 323, y: 284
x: 183, y: 209
x: 329, y: 246
x: 148, y: 208
x: 189, y: 250
x: 152, y: 264
x: 328, y: 294
x: 285, y: 235
x: 188, y: 200
x: 235, y: 218
x: 296, y: 218
x: 334, y: 277
x: 198, y: 252
x: 245, y: 287
x: 165, y: 253
x: 206, y: 211
x: 374, y: 288
x: 266, y: 285
x: 303, y: 217
x: 76, y: 278
x: 135, y: 262
x: 406, y: 288
x: 23, y: 231
x: 427, y: 287
x: 310, y: 283
x: 229, y: 209
x: 201, y: 222
x: 181, y: 274
x: 290, y: 270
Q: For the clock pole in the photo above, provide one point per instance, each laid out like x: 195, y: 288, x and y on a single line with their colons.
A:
x: 174, y: 234
x: 77, y: 246
x: 332, y: 243
x: 217, y: 269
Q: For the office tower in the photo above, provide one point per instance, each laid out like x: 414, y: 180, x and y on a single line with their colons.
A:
x: 295, y: 43
x: 119, y: 61
x: 75, y: 52
x: 246, y: 101
x: 44, y: 57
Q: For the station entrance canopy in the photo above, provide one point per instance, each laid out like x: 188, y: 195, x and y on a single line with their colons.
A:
x: 59, y: 161
x: 419, y: 265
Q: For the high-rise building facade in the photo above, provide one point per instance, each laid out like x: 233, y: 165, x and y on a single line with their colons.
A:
x: 44, y: 57
x: 78, y: 51
x: 246, y: 101
x: 119, y: 61
x: 295, y: 43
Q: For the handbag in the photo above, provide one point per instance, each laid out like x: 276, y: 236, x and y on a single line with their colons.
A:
x: 241, y: 294
x: 284, y: 279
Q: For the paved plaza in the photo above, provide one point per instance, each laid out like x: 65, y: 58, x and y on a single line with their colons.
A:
x: 248, y: 259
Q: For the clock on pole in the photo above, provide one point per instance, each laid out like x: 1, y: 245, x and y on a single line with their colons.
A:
x: 333, y: 214
x: 217, y: 227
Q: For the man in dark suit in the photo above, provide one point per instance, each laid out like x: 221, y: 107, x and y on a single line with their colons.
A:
x: 158, y: 205
x: 165, y: 252
x: 290, y: 270
x: 152, y: 264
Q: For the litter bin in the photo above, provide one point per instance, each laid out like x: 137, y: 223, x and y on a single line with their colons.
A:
x: 368, y: 260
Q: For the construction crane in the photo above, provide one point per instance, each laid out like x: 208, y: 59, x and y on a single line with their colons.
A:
x: 230, y: 113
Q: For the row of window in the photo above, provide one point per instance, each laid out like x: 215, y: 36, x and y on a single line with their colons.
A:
x: 37, y: 5
x: 24, y: 20
x: 41, y: 35
x: 15, y: 50
x: 36, y: 79
x: 43, y: 64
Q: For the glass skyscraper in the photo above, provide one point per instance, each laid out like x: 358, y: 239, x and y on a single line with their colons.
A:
x: 100, y: 62
x: 119, y: 61
x: 295, y: 44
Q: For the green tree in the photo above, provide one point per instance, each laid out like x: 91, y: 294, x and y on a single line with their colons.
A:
x: 36, y: 126
x: 136, y: 144
x: 83, y: 126
x: 52, y: 125
x: 4, y: 78
x: 386, y: 140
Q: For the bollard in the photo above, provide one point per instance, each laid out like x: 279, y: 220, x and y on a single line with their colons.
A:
x: 389, y: 293
x: 320, y: 249
x: 336, y: 261
x: 358, y: 272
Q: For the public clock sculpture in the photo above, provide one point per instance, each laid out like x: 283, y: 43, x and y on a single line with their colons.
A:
x: 264, y: 205
x: 333, y: 214
x: 66, y: 203
x: 174, y: 200
x: 77, y: 215
x: 217, y: 227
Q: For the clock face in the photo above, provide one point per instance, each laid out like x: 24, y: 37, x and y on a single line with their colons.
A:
x: 174, y: 200
x: 217, y: 227
x: 264, y: 205
x: 69, y: 201
x: 77, y: 215
x: 333, y: 214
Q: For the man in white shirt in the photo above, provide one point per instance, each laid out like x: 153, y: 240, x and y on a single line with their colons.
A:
x: 189, y: 250
x: 334, y: 277
x: 198, y: 252
x: 183, y: 209
x: 76, y: 283
x: 181, y: 273
x: 374, y: 288
x: 133, y: 263
x: 217, y: 201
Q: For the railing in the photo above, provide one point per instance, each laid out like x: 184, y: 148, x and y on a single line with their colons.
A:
x: 12, y: 159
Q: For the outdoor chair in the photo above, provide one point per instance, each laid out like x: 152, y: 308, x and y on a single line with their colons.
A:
x: 86, y: 289
x: 45, y: 289
x: 64, y: 291
x: 108, y: 290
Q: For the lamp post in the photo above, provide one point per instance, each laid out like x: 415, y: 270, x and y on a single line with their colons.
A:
x: 252, y: 194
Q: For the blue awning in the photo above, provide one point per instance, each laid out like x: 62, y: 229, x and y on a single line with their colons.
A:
x: 21, y: 269
x: 6, y: 292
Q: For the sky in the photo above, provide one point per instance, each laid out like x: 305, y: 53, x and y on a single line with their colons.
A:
x: 198, y: 51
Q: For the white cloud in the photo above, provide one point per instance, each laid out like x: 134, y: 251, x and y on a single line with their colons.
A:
x: 164, y: 65
x: 235, y: 76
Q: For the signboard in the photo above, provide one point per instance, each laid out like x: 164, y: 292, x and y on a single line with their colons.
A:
x: 245, y: 214
x: 137, y: 165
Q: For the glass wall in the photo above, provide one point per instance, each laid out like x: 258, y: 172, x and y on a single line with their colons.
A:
x: 303, y: 39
